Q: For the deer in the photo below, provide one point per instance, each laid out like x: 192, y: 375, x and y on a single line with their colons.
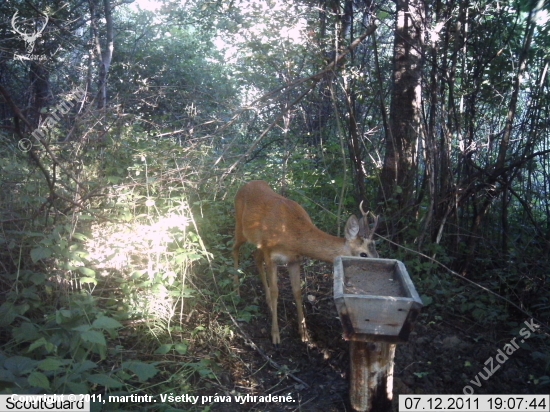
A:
x: 283, y: 233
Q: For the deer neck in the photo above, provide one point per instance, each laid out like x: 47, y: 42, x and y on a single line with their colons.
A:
x: 319, y: 245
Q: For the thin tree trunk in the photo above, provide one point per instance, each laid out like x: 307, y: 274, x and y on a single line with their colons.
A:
x: 400, y: 163
x: 104, y: 53
x: 497, y: 171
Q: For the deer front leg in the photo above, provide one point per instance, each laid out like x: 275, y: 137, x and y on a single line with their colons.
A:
x: 294, y: 272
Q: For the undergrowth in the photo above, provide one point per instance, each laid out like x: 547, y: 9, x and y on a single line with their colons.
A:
x: 128, y: 287
x: 118, y: 295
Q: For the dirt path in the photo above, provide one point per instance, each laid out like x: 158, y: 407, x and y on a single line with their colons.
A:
x: 443, y: 356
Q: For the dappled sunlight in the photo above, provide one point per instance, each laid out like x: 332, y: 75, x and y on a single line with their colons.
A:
x: 149, y: 258
x: 150, y: 5
x: 123, y: 246
x: 262, y: 27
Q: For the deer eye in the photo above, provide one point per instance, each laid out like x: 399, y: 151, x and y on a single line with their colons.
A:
x: 363, y: 254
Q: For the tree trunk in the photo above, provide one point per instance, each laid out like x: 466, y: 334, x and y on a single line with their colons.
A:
x: 105, y: 52
x: 399, y: 169
x: 497, y: 173
x: 40, y: 81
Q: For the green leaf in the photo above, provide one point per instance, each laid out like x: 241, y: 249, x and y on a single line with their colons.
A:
x: 51, y: 364
x: 7, y: 314
x: 426, y: 300
x: 26, y: 332
x: 6, y: 376
x: 85, y: 271
x: 80, y: 236
x: 37, y: 278
x: 42, y: 342
x: 104, y: 380
x: 39, y: 380
x: 84, y: 366
x: 187, y: 257
x: 77, y: 387
x: 19, y: 365
x: 164, y: 349
x: 82, y: 328
x: 113, y: 179
x: 382, y: 15
x: 40, y: 253
x: 104, y: 322
x: 93, y: 336
x: 144, y: 371
x: 87, y: 279
x: 181, y: 348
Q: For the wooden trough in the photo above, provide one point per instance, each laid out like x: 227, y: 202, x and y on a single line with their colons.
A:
x: 378, y: 305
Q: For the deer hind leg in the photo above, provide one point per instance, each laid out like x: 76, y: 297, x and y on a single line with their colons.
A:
x: 268, y: 274
x: 259, y: 259
x: 294, y: 272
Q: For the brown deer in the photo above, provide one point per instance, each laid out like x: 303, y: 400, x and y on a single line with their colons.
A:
x: 283, y: 232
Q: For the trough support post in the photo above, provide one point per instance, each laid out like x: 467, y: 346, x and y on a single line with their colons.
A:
x: 371, y: 380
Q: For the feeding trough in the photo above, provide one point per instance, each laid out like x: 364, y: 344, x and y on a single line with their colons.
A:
x: 375, y: 298
x: 378, y: 305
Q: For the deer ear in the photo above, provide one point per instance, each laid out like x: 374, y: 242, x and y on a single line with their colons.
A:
x: 352, y: 228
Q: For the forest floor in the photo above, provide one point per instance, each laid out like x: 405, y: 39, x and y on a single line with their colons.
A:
x: 443, y: 355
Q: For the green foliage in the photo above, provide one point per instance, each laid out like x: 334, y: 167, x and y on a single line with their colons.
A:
x: 75, y: 282
x: 122, y: 240
x: 63, y: 353
x: 174, y: 65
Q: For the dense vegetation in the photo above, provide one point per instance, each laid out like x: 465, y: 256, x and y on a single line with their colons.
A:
x: 125, y: 134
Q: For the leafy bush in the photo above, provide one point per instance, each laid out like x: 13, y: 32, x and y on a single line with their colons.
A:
x: 81, y: 290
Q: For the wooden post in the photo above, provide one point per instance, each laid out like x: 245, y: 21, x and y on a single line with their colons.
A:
x: 378, y: 306
x: 371, y: 379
